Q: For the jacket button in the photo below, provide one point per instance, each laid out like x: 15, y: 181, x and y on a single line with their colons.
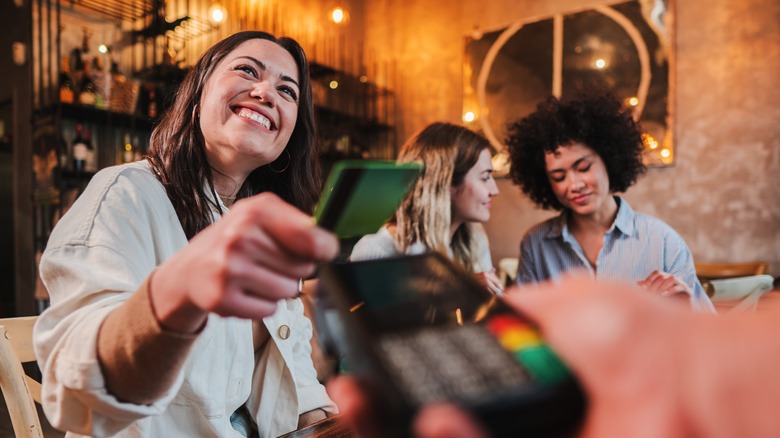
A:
x: 284, y: 331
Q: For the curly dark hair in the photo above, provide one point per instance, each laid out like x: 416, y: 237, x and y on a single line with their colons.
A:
x: 598, y: 121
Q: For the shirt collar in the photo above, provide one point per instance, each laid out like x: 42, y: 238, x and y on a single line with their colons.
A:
x: 624, y: 221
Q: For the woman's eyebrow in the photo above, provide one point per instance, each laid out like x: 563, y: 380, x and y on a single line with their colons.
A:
x: 261, y: 65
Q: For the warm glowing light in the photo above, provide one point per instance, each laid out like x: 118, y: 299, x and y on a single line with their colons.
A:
x: 363, y: 79
x: 337, y: 15
x: 600, y: 63
x: 103, y: 48
x: 650, y: 142
x: 459, y: 316
x: 128, y: 147
x: 217, y: 13
x: 333, y: 85
x: 469, y: 116
x: 633, y: 101
x: 666, y: 153
x: 357, y: 306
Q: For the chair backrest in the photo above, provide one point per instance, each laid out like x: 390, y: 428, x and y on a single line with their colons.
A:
x: 20, y: 391
x: 507, y: 270
x: 745, y: 291
x: 710, y: 271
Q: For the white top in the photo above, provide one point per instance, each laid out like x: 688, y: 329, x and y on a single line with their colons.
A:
x: 382, y: 244
x: 100, y: 252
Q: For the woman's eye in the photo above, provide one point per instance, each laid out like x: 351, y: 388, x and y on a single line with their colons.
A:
x: 585, y: 168
x: 246, y: 69
x: 558, y: 178
x: 290, y: 92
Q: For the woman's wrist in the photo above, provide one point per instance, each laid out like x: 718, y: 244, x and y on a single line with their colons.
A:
x: 174, y: 311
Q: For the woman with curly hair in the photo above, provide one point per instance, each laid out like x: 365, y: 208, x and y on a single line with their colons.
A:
x: 447, y: 205
x: 574, y: 157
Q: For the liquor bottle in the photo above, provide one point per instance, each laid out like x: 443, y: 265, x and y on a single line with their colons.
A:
x: 67, y: 90
x: 76, y: 71
x: 88, y: 91
x: 100, y: 79
x: 80, y: 150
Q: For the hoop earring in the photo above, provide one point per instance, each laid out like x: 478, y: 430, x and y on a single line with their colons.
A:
x: 285, y: 166
x: 194, y: 114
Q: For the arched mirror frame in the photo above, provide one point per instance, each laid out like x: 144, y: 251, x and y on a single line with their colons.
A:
x: 655, y: 35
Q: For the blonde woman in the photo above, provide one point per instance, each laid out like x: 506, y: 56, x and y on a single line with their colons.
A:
x: 447, y: 205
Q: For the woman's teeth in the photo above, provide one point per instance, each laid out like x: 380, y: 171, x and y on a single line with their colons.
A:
x: 257, y: 117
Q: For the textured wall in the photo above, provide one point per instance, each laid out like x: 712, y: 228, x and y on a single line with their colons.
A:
x: 723, y: 194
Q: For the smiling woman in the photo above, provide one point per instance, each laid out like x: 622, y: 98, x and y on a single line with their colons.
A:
x: 447, y: 205
x: 576, y: 156
x: 174, y: 311
x: 248, y: 111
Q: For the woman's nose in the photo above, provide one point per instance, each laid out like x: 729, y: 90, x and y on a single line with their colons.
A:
x: 262, y: 91
x: 493, y: 189
x: 576, y: 183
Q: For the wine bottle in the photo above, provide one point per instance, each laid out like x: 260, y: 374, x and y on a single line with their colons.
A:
x: 80, y: 150
x: 67, y: 90
x: 91, y: 162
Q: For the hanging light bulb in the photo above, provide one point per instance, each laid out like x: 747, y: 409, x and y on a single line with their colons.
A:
x: 339, y: 15
x: 217, y: 13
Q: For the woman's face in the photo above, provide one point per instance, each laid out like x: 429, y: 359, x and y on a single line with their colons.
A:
x: 471, y: 199
x: 578, y: 178
x: 249, y: 106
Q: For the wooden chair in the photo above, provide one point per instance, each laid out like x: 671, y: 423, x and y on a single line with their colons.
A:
x: 507, y: 270
x: 711, y: 271
x: 739, y: 294
x: 20, y: 391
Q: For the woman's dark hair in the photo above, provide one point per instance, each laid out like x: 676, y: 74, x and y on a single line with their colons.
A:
x: 598, y: 121
x: 178, y: 156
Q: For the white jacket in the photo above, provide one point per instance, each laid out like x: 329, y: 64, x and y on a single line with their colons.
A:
x: 100, y: 252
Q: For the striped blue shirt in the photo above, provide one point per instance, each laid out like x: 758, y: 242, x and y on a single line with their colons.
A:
x: 634, y: 247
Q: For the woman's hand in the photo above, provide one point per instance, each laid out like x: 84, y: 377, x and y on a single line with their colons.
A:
x: 241, y: 265
x: 491, y: 281
x: 665, y: 284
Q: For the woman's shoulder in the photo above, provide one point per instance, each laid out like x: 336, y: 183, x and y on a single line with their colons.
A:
x: 121, y: 175
x: 652, y: 229
x: 548, y: 227
x: 126, y: 192
x: 127, y: 186
x: 374, y: 246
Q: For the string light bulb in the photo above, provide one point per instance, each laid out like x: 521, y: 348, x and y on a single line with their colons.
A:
x: 217, y: 13
x: 339, y: 15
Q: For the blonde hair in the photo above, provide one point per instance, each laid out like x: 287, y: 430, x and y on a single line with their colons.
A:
x: 448, y: 152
